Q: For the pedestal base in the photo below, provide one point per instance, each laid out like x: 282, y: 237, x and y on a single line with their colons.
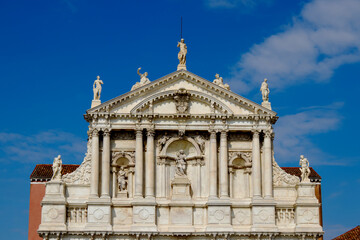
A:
x: 122, y: 194
x: 180, y: 188
x: 181, y: 67
x: 266, y: 105
x: 95, y: 103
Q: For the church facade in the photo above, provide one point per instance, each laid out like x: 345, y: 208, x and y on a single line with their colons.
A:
x: 181, y: 158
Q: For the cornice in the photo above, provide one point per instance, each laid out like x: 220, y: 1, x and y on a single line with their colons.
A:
x: 189, y: 76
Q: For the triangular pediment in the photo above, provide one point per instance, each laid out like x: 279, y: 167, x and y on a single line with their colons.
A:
x: 167, y: 94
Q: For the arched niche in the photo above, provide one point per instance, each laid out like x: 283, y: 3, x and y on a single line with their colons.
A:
x: 239, y: 177
x: 175, y: 144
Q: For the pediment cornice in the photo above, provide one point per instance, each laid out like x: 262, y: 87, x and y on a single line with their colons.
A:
x: 257, y: 109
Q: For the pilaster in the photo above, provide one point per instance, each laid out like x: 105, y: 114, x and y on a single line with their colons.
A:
x: 94, y: 183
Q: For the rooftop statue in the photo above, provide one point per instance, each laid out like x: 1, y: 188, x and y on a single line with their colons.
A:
x: 265, y: 90
x: 182, y: 54
x: 305, y: 170
x: 97, y: 88
x: 57, y: 167
x: 219, y: 81
x: 143, y: 80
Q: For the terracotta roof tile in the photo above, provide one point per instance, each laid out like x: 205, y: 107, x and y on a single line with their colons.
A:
x: 353, y: 234
x: 296, y: 171
x: 44, y: 172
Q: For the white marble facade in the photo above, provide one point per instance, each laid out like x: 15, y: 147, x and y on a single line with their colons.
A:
x: 180, y: 158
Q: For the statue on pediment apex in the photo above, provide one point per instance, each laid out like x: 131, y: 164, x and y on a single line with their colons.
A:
x: 57, y: 167
x: 97, y: 88
x: 305, y: 170
x: 182, y: 53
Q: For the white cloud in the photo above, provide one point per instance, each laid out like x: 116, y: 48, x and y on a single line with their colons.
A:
x: 294, y: 131
x: 323, y: 37
x: 41, y: 147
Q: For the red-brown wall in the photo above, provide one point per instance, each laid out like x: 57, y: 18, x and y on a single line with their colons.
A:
x: 37, y: 192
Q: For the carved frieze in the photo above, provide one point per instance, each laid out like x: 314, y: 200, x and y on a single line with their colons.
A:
x: 243, y: 136
x: 123, y: 135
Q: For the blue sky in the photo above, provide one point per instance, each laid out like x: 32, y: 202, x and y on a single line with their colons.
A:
x: 52, y: 51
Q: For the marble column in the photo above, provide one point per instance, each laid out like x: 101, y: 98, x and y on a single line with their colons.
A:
x: 231, y: 173
x: 256, y: 166
x: 139, y: 164
x: 268, y: 165
x: 150, y: 165
x: 213, y: 165
x: 94, y: 182
x: 114, y: 182
x: 130, y: 182
x: 105, y: 173
x: 224, y: 179
x: 198, y: 178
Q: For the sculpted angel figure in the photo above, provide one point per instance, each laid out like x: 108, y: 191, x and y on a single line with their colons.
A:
x: 162, y: 141
x: 305, y: 170
x: 200, y: 140
x: 97, y: 88
x: 122, y: 179
x: 57, y: 167
x: 183, y: 51
x: 180, y: 163
x: 265, y: 90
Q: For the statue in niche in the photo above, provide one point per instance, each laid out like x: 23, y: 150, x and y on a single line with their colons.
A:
x: 182, y: 53
x: 180, y: 163
x: 201, y: 141
x: 143, y: 79
x: 122, y: 179
x: 220, y: 82
x: 265, y: 90
x: 97, y: 88
x: 57, y: 167
x: 305, y: 170
x: 162, y: 141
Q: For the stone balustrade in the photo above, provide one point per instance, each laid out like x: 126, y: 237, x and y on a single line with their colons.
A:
x: 76, y: 215
x: 285, y: 216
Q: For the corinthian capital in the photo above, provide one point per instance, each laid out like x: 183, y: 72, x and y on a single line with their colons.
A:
x: 150, y: 132
x: 95, y: 132
x: 106, y: 132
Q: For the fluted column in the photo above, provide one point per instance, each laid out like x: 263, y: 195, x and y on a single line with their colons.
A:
x: 213, y: 165
x: 139, y: 164
x: 94, y: 183
x: 256, y: 166
x: 224, y: 180
x: 268, y: 164
x: 150, y: 165
x: 105, y: 173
